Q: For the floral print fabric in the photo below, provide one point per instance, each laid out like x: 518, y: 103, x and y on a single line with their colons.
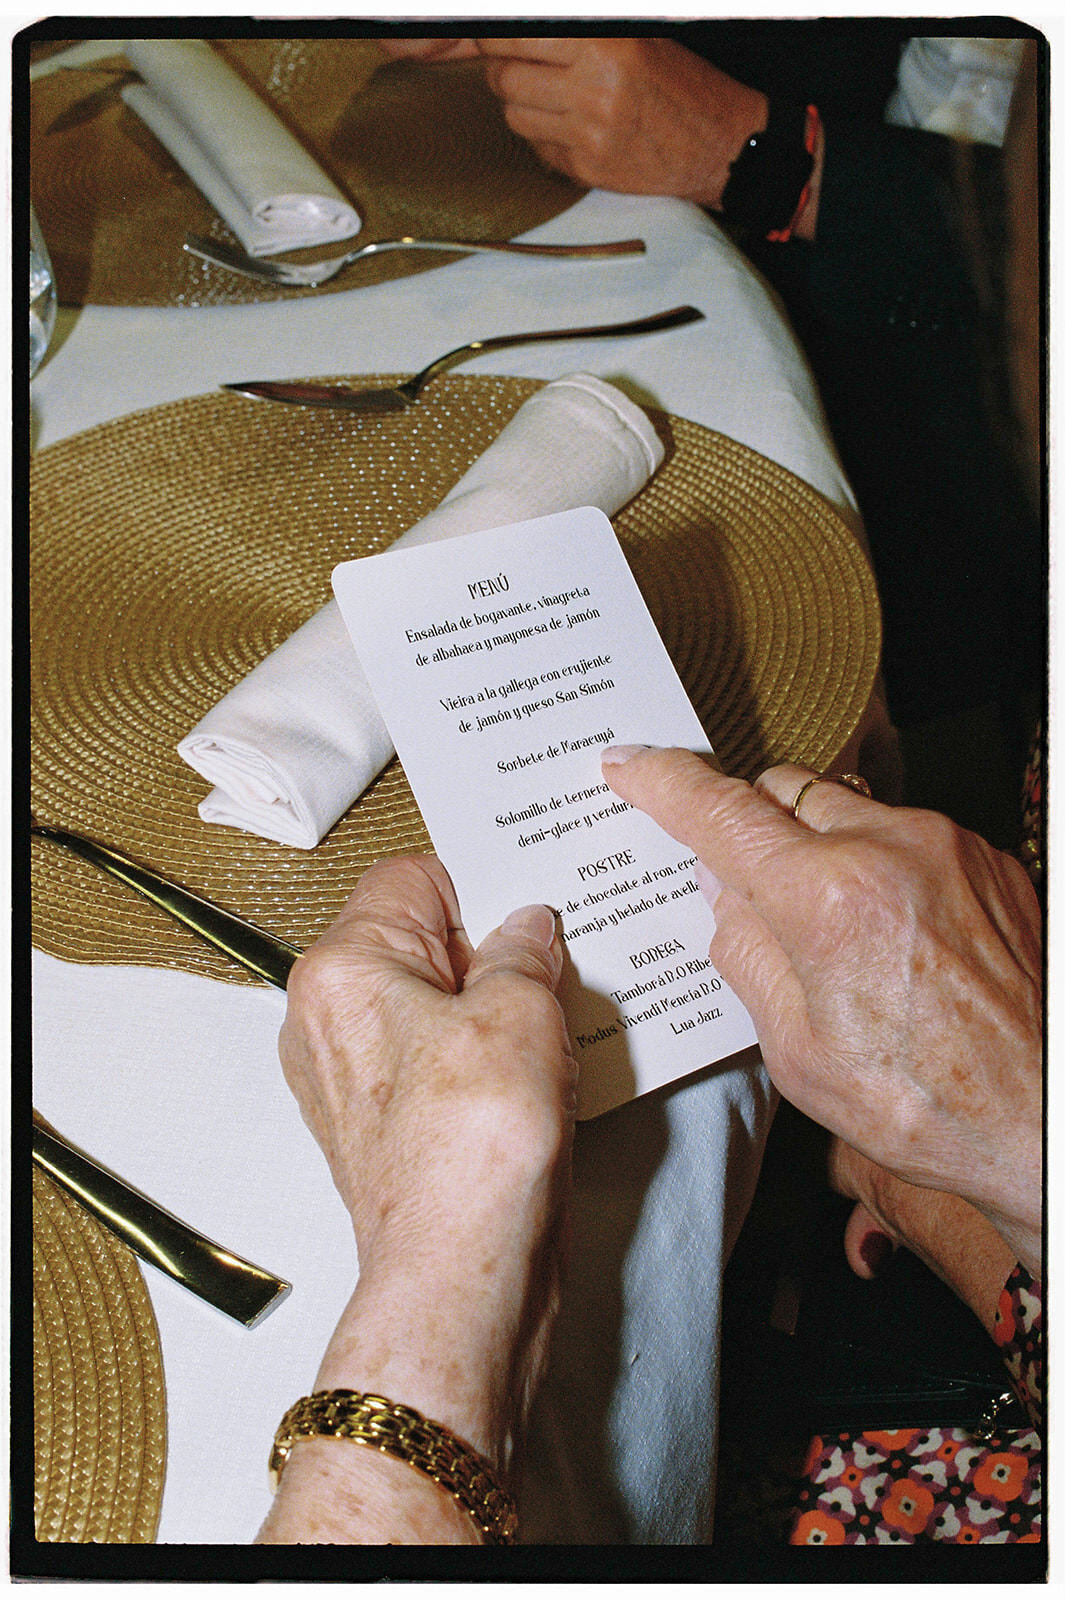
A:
x: 909, y: 1485
x: 1033, y: 825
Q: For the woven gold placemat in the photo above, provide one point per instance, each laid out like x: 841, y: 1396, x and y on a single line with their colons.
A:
x: 173, y: 549
x: 99, y: 1402
x: 423, y: 151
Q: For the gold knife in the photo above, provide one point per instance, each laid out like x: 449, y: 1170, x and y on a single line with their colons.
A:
x: 237, y: 1287
x: 260, y: 952
x: 242, y: 1290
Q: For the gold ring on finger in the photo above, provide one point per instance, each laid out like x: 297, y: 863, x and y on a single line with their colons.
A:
x: 849, y: 780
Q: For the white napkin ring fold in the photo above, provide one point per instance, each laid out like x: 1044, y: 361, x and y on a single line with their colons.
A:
x: 295, y: 743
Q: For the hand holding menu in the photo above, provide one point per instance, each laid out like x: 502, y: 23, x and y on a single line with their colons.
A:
x: 503, y: 663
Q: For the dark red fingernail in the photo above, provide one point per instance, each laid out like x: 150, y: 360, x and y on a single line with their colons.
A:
x: 875, y: 1249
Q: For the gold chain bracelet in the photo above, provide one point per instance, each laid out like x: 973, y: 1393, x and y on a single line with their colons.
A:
x: 404, y: 1433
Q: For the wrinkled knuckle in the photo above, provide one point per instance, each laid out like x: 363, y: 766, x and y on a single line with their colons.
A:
x: 387, y: 882
x: 526, y: 963
x: 315, y: 985
x: 858, y: 888
x: 509, y: 988
x: 331, y: 1008
x: 380, y: 875
x: 933, y: 836
x: 941, y: 836
x: 541, y: 967
x: 680, y: 786
x: 531, y: 1010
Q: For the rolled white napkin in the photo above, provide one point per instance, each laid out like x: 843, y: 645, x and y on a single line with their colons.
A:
x: 259, y: 179
x: 81, y: 54
x: 298, y: 740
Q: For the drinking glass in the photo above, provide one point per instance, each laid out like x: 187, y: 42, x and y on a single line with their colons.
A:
x: 42, y: 296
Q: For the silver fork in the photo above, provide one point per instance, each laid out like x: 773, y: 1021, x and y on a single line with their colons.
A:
x: 285, y: 274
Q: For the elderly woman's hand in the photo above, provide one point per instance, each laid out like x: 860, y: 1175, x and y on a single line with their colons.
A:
x: 439, y: 1082
x: 949, y: 1235
x: 891, y: 963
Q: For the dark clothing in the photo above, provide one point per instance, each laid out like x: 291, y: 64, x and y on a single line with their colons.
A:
x: 903, y: 332
x: 845, y: 68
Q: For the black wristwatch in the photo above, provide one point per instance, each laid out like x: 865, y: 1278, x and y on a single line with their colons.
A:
x: 767, y: 182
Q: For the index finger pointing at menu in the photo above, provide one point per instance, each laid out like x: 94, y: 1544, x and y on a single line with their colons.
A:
x: 732, y: 829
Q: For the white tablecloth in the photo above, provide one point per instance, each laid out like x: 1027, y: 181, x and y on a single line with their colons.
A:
x: 173, y: 1079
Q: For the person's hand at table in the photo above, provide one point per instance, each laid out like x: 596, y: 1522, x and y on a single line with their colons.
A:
x: 636, y: 115
x: 891, y: 963
x: 643, y: 116
x: 439, y: 1082
x: 947, y: 1233
x: 428, y: 50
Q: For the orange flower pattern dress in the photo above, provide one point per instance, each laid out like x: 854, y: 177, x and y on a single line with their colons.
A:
x: 912, y: 1485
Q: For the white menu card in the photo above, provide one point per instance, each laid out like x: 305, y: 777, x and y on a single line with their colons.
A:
x: 503, y: 663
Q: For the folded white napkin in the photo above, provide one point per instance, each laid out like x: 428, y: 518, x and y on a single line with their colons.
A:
x: 81, y: 54
x: 298, y: 740
x: 259, y: 178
